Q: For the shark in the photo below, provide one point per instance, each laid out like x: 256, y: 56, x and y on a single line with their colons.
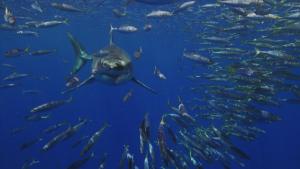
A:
x: 111, y: 64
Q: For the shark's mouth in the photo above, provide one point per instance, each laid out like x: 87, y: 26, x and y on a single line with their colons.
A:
x: 113, y: 67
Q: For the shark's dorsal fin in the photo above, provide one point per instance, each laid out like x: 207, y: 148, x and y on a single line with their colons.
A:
x: 143, y: 85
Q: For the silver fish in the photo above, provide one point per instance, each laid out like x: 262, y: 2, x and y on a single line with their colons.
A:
x: 29, y: 33
x: 159, y: 14
x: 36, y: 6
x: 125, y: 29
x: 50, y: 105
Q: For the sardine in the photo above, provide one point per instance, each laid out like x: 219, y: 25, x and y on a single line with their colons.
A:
x: 92, y: 141
x: 50, y: 105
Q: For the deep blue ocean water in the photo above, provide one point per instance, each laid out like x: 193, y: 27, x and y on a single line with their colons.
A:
x: 279, y: 148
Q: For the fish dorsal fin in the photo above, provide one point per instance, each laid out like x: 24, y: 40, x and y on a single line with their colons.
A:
x: 143, y: 85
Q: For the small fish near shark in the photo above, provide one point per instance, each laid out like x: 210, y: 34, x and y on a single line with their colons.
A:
x: 111, y: 64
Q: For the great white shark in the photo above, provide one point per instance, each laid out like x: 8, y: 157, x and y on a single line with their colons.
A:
x: 111, y: 64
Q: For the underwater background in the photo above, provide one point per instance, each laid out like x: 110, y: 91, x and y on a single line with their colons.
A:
x: 98, y: 102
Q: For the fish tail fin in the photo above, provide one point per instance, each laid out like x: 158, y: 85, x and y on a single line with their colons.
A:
x: 81, y: 56
x: 257, y: 51
x: 180, y: 100
x: 66, y: 21
x: 144, y: 85
x: 111, y: 34
x: 78, y: 48
x: 7, y: 11
x: 111, y: 29
x: 26, y: 50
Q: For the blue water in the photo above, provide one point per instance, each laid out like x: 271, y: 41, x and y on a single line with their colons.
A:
x: 278, y: 148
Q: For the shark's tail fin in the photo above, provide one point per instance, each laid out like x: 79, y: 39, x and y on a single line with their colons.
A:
x: 144, y: 85
x: 81, y: 56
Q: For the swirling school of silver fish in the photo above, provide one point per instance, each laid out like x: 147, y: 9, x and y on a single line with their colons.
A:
x: 246, y: 52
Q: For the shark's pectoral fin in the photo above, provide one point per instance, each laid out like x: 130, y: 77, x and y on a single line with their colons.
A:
x: 86, y: 81
x: 143, y: 85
